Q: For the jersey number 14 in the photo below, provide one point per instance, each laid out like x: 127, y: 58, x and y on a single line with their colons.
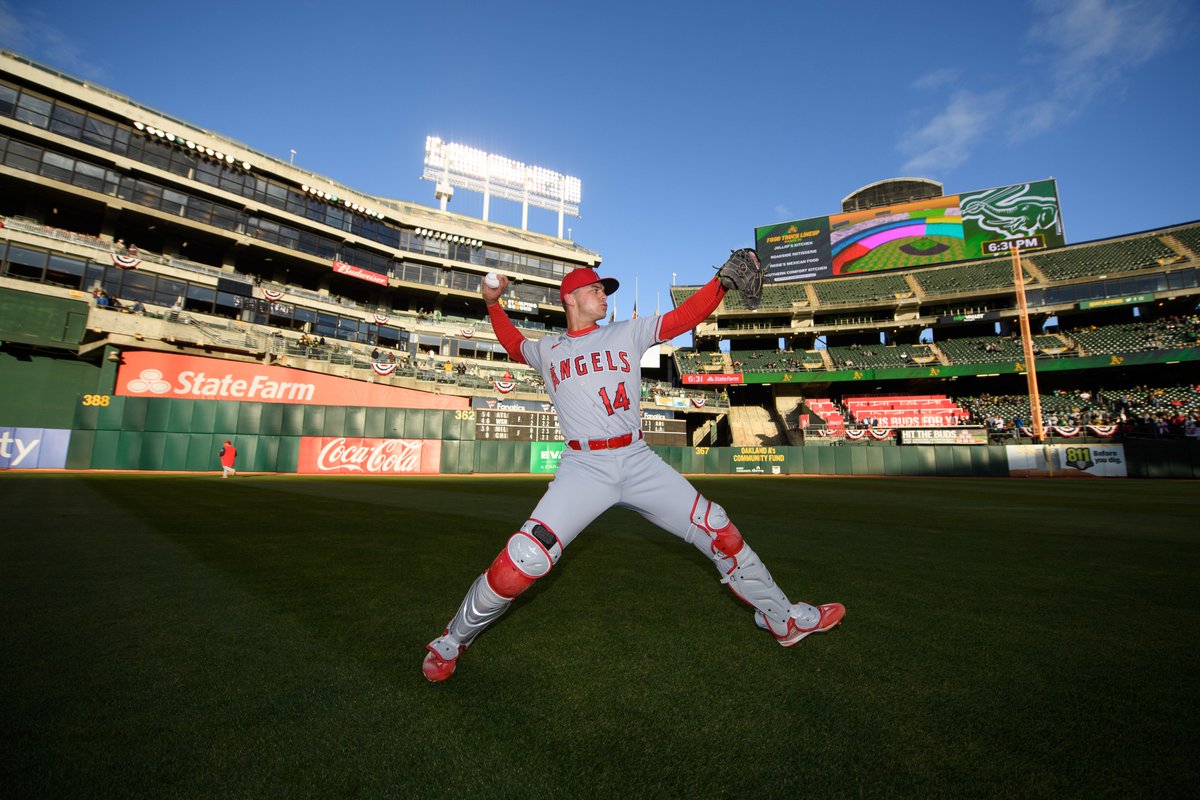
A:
x: 621, y: 401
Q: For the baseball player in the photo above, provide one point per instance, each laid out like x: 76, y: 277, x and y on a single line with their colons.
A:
x: 593, y: 376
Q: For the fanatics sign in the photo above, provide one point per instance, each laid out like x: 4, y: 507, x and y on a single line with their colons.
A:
x: 354, y: 455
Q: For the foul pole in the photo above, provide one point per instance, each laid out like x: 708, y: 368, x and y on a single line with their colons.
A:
x: 1035, y: 400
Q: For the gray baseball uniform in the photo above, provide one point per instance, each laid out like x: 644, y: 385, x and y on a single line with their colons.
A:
x: 594, y: 379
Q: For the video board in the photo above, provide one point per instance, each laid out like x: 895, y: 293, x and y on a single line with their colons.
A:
x: 938, y: 230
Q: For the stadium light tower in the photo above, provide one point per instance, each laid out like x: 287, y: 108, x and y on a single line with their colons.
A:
x: 448, y: 165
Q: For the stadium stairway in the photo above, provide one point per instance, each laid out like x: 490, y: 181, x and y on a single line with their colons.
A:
x: 706, y: 434
x: 753, y: 426
x: 787, y: 412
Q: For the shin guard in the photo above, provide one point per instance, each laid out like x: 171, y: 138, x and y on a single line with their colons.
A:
x: 529, y: 555
x: 719, y: 539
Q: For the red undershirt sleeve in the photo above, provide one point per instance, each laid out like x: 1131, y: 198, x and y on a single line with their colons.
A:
x: 507, y: 333
x: 691, y: 312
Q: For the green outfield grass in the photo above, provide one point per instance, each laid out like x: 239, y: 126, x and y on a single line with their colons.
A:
x: 184, y: 636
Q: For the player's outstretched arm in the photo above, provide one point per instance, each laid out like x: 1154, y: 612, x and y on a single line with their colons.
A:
x: 506, y: 332
x: 693, y: 311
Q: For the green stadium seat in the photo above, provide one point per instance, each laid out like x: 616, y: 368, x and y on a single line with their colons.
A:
x: 1146, y: 252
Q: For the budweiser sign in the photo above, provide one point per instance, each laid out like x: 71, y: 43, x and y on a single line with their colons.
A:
x: 360, y: 456
x: 343, y: 268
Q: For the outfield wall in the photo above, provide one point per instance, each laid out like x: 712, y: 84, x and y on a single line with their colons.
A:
x: 139, y: 433
x: 54, y: 414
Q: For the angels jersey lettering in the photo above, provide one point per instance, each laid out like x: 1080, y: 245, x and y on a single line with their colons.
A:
x: 594, y: 378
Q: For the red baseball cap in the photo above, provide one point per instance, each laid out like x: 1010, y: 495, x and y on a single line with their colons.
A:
x: 583, y: 276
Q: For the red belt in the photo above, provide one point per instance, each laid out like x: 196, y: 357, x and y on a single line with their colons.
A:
x: 606, y: 444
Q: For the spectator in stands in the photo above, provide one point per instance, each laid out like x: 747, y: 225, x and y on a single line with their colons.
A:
x: 138, y: 308
x: 375, y: 354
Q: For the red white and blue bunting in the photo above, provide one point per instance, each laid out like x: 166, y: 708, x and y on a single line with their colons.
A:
x: 1071, y: 431
x: 699, y: 402
x: 125, y: 262
x: 384, y: 369
x: 504, y: 387
x: 274, y: 295
x: 381, y: 319
x: 857, y: 435
x: 467, y: 332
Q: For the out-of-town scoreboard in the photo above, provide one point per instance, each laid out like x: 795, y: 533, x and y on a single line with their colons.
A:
x: 542, y: 426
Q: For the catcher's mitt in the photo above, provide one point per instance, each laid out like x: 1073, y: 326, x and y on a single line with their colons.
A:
x: 743, y: 272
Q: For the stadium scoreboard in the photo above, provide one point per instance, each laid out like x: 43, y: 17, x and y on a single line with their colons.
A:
x: 936, y: 230
x: 542, y: 426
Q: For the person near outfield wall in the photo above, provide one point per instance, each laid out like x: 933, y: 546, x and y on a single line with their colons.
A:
x: 228, y: 456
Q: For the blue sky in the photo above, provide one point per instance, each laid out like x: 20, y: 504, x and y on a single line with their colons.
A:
x: 688, y: 124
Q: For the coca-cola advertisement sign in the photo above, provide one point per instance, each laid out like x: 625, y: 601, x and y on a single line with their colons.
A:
x: 354, y: 455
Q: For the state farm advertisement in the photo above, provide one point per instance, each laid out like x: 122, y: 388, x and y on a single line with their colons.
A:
x: 340, y: 455
x: 710, y: 378
x: 149, y: 374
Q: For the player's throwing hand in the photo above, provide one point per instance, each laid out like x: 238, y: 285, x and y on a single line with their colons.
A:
x: 491, y: 294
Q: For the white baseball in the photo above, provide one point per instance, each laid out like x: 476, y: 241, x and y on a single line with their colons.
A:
x: 491, y: 280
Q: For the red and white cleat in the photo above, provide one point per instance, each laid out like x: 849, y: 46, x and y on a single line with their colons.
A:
x: 831, y: 616
x: 436, y: 668
x: 441, y: 659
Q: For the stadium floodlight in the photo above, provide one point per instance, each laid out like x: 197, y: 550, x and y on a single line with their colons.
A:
x: 449, y: 164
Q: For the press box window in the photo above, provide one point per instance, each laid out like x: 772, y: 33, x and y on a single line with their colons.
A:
x: 22, y: 263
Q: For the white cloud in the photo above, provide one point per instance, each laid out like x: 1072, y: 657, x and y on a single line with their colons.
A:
x: 936, y: 79
x: 12, y: 30
x: 30, y: 35
x: 946, y: 140
x: 1087, y: 48
x: 782, y: 212
x: 1077, y: 51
